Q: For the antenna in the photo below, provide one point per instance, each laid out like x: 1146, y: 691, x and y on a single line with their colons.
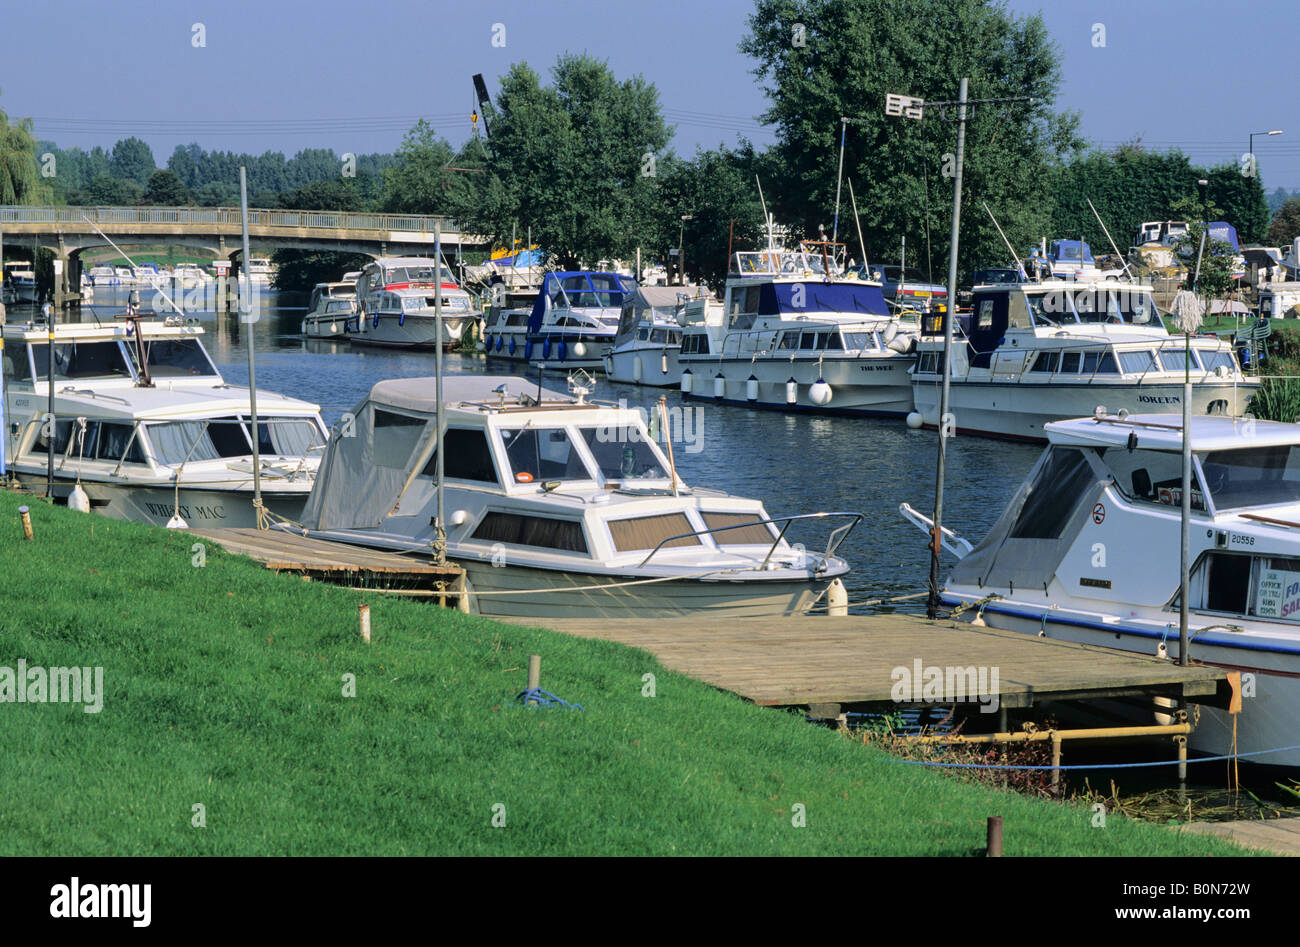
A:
x: 1014, y: 256
x: 858, y: 221
x: 1108, y: 237
x: 767, y: 219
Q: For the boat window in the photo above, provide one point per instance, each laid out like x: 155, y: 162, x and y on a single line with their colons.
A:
x: 789, y: 340
x: 751, y: 298
x: 468, y: 457
x: 16, y: 366
x: 647, y: 532
x: 1277, y: 588
x: 1070, y: 362
x: 1226, y: 586
x: 622, y: 453
x: 1151, y: 476
x: 81, y: 360
x: 808, y: 340
x: 179, y: 442
x: 1048, y: 309
x: 859, y: 341
x: 749, y: 532
x: 1253, y: 476
x: 1053, y: 495
x: 1137, y: 363
x: 1099, y: 362
x: 1174, y: 360
x: 288, y: 437
x: 1092, y: 306
x: 1135, y: 307
x: 230, y: 437
x: 174, y: 358
x: 1215, y: 360
x: 395, y: 438
x: 829, y: 340
x: 113, y: 440
x: 984, y: 318
x: 539, y: 531
x: 1047, y: 362
x: 541, y: 454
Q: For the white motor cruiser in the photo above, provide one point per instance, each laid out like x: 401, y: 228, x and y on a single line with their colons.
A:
x: 799, y: 334
x: 557, y: 506
x: 650, y: 333
x: 147, y: 427
x: 1088, y: 550
x: 575, y: 318
x: 1031, y: 353
x: 407, y: 318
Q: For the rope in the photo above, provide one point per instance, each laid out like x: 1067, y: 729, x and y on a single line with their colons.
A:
x: 1201, y: 759
x: 544, y: 699
x: 262, y: 514
x: 978, y: 603
x: 878, y: 601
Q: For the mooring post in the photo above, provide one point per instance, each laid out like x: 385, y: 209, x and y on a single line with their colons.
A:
x: 534, y: 676
x: 1181, y: 740
x: 365, y: 623
x: 1056, y: 761
x: 27, y: 522
x: 995, y: 836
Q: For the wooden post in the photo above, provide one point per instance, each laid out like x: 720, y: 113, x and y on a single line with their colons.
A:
x: 1056, y: 761
x: 1182, y: 765
x: 995, y: 836
x: 534, y: 675
x: 365, y: 623
x: 27, y: 522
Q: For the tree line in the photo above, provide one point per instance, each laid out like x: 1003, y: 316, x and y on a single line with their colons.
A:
x: 581, y: 158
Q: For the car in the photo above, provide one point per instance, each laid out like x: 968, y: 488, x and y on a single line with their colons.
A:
x: 996, y: 274
x: 916, y: 291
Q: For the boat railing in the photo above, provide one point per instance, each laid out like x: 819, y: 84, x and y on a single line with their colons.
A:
x: 835, y: 538
x: 772, y: 347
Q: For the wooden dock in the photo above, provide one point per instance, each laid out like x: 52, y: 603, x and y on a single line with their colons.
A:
x: 1279, y: 836
x: 342, y: 564
x: 826, y: 664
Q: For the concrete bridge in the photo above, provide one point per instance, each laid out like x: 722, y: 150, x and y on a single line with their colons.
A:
x: 68, y: 231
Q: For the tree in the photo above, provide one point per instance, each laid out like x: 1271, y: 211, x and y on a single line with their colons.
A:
x: 108, y: 191
x: 1214, y: 278
x: 1285, y: 226
x: 823, y: 59
x: 1240, y: 199
x: 414, y: 185
x: 20, y: 180
x: 576, y: 161
x: 166, y: 189
x: 132, y: 160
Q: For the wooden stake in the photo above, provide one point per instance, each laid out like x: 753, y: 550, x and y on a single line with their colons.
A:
x: 27, y: 522
x: 995, y: 836
x: 365, y: 623
x: 534, y: 675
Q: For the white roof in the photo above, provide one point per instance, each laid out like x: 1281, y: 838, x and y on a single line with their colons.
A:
x: 1165, y: 432
x: 417, y: 394
x: 405, y: 261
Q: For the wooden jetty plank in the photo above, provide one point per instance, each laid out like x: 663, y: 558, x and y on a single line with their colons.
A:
x: 851, y: 660
x: 1281, y: 836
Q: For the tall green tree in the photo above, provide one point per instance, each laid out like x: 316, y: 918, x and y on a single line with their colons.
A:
x: 1209, y: 268
x: 415, y: 184
x: 165, y: 189
x: 823, y: 59
x: 1240, y: 199
x: 20, y: 179
x: 132, y: 160
x: 1285, y: 226
x: 577, y: 161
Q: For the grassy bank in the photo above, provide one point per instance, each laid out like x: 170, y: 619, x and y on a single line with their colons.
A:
x: 224, y: 687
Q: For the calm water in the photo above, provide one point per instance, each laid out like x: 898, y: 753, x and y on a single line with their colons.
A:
x: 794, y: 463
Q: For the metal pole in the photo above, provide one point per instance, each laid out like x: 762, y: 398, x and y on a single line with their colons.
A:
x: 932, y: 606
x: 839, y: 178
x: 246, y: 301
x: 49, y: 384
x: 440, y: 531
x: 4, y: 429
x: 1186, y: 525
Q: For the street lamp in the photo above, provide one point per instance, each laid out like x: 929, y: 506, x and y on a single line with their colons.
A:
x: 1251, y: 145
x: 681, y: 252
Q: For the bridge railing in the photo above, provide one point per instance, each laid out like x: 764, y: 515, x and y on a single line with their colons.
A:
x: 227, y: 216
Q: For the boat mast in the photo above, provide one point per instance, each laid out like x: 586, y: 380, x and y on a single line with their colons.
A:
x: 246, y: 310
x: 440, y: 531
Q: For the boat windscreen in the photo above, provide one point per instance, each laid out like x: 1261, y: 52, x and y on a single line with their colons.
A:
x: 542, y: 454
x: 623, y: 454
x: 176, y: 358
x: 1253, y: 476
x: 81, y: 360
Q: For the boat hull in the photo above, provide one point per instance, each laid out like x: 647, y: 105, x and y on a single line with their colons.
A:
x: 569, y: 595
x: 415, y: 332
x: 873, y: 387
x: 200, y: 508
x: 1019, y: 410
x: 622, y: 366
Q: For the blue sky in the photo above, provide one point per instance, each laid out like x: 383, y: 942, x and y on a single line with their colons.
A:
x: 282, y: 74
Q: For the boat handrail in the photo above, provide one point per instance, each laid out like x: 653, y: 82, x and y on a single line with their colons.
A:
x: 833, y: 540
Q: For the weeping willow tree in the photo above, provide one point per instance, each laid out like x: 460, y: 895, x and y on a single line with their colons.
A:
x: 20, y: 180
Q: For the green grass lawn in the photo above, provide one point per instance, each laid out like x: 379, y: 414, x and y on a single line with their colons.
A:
x: 224, y: 687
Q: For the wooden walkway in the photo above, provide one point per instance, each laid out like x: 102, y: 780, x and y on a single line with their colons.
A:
x: 340, y: 563
x: 1279, y: 836
x: 825, y: 663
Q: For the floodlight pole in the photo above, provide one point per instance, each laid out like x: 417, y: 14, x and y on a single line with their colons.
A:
x: 440, y: 531
x: 914, y: 108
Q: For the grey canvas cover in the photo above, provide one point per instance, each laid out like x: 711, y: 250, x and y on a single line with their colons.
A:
x: 1028, y: 541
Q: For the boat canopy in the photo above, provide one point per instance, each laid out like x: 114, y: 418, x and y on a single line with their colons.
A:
x: 579, y: 289
x: 369, y: 463
x: 1165, y: 432
x: 1068, y: 251
x: 1224, y: 232
x: 854, y: 299
x: 654, y: 304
